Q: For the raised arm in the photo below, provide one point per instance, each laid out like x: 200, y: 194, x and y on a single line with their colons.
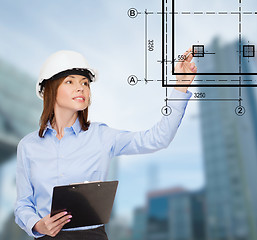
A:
x: 163, y: 132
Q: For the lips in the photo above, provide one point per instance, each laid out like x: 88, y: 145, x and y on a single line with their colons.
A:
x: 79, y: 98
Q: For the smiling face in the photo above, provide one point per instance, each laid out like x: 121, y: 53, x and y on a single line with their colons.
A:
x: 73, y: 94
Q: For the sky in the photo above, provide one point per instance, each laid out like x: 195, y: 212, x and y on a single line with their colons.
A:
x: 113, y: 44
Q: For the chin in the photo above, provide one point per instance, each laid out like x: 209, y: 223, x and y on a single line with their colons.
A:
x: 81, y: 109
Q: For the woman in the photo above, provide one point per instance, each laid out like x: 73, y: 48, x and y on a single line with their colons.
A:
x: 68, y: 148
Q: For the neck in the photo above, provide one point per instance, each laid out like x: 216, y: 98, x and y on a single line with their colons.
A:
x: 63, y: 120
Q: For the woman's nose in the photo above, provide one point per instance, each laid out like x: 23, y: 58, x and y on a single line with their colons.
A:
x: 79, y: 87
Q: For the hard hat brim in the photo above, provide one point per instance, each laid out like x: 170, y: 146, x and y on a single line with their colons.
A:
x: 88, y: 73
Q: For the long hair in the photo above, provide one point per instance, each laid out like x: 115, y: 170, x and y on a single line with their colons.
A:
x: 49, y: 98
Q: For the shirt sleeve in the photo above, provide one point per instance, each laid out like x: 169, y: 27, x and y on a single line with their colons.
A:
x: 25, y: 211
x: 158, y: 137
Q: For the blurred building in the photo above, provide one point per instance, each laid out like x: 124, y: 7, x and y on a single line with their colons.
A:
x: 152, y: 176
x: 139, y: 224
x: 112, y: 175
x: 175, y: 214
x: 19, y: 108
x: 229, y: 146
x: 19, y: 114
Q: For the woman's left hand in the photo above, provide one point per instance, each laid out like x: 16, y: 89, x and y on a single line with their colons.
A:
x: 185, y: 66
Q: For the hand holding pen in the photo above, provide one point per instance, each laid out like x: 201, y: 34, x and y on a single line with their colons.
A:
x: 185, y: 66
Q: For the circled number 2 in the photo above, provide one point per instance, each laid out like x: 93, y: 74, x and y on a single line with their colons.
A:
x: 240, y: 110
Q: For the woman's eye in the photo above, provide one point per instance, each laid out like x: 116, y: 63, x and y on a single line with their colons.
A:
x: 85, y: 83
x: 68, y: 82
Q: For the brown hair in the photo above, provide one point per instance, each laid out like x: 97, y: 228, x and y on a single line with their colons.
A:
x: 50, y: 92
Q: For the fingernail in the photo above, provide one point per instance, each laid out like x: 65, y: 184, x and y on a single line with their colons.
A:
x: 68, y: 220
x: 65, y: 212
x: 70, y: 216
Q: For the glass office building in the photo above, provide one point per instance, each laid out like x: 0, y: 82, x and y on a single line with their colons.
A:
x: 139, y: 224
x: 19, y: 108
x: 229, y: 145
x: 20, y: 111
x: 175, y: 214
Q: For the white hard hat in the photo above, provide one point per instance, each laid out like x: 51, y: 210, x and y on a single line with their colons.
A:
x: 62, y: 64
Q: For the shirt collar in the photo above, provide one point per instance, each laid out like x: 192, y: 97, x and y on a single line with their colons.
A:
x: 75, y: 127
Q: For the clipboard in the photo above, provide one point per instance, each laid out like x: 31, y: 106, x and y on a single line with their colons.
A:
x: 89, y: 203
